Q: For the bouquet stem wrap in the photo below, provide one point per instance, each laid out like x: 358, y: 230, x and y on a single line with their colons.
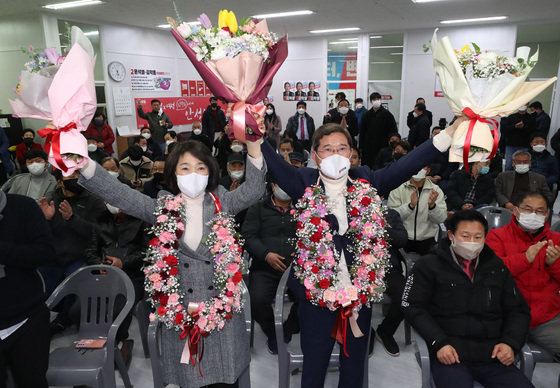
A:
x: 347, y: 314
x: 474, y: 119
x: 242, y: 82
x: 52, y: 141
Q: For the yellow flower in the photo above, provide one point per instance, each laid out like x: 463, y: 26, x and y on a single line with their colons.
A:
x: 222, y: 16
x: 232, y: 22
x: 465, y: 48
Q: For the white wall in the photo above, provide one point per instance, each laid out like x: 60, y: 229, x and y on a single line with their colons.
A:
x: 418, y: 70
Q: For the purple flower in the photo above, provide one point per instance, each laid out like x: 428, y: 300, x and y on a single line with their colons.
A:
x: 205, y: 21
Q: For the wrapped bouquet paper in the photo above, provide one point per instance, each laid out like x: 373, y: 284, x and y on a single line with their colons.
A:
x: 237, y: 62
x: 483, y: 85
x: 62, y: 91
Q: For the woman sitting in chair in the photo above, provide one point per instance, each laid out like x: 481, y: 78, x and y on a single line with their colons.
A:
x: 193, y: 237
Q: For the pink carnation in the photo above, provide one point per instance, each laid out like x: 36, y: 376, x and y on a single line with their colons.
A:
x: 173, y: 299
x: 180, y: 225
x: 222, y: 233
x: 202, y: 322
x: 152, y: 317
x: 232, y: 268
x: 166, y: 237
x: 160, y: 264
x: 154, y: 277
x: 162, y: 218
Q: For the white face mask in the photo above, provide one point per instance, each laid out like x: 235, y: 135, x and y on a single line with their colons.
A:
x: 114, y: 174
x: 112, y: 209
x: 237, y: 148
x: 521, y: 168
x: 146, y: 135
x: 135, y: 163
x: 343, y: 110
x: 144, y: 148
x: 466, y: 249
x: 539, y: 148
x: 523, y: 108
x: 376, y: 103
x: 280, y: 194
x: 269, y: 112
x: 169, y: 142
x: 531, y: 221
x: 236, y: 174
x: 197, y: 131
x: 36, y: 168
x: 192, y: 185
x: 301, y: 111
x: 414, y: 114
x: 359, y: 106
x: 334, y: 166
x: 420, y: 175
x: 92, y: 147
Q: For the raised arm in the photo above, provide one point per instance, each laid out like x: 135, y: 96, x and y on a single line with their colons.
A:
x: 98, y: 181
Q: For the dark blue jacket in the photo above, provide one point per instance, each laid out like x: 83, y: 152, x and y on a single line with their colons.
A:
x: 4, y: 153
x: 545, y: 164
x: 295, y: 180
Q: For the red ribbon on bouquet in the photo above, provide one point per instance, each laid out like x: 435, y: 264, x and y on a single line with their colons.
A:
x: 341, y: 325
x: 238, y: 116
x: 53, y: 140
x: 217, y: 204
x: 194, y: 347
x: 467, y: 146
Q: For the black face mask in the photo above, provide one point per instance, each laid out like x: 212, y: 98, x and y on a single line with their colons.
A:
x: 397, y: 156
x: 214, y: 104
x: 73, y: 186
x: 393, y: 144
x: 158, y: 177
x: 28, y: 141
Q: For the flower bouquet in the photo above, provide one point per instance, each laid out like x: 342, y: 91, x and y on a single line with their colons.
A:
x: 61, y: 90
x: 483, y: 85
x: 237, y: 62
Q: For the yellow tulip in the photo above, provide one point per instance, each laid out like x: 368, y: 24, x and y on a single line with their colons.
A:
x: 466, y: 48
x: 222, y: 16
x: 232, y: 22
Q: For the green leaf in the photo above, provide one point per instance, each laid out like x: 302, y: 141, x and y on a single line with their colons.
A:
x: 476, y: 48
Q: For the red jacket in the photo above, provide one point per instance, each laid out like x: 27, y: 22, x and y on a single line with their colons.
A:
x: 21, y: 150
x: 107, y: 135
x: 539, y: 283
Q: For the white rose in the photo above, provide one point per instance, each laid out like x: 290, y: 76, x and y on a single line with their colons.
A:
x: 487, y: 58
x: 184, y: 30
x: 218, y: 53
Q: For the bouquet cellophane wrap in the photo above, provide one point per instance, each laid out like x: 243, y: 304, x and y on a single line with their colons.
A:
x: 242, y: 82
x: 67, y: 99
x: 487, y: 98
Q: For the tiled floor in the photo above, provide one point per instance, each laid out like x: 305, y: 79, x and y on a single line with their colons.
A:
x: 384, y: 371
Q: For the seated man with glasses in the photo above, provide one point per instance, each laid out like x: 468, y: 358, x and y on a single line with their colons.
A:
x: 530, y: 250
x: 331, y: 151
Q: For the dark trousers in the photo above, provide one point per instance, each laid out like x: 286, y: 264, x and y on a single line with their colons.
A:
x: 138, y: 283
x: 3, y: 174
x: 316, y: 325
x: 395, y: 286
x: 420, y: 246
x: 222, y: 385
x: 26, y: 352
x: 489, y: 374
x: 262, y: 288
x: 55, y: 274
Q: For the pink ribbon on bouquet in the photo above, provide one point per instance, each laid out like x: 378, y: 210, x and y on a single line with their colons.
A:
x: 53, y: 141
x: 468, y: 138
x: 239, y: 117
x: 347, y: 314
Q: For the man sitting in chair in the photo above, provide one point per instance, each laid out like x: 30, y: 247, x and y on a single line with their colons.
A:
x: 530, y: 250
x: 463, y: 301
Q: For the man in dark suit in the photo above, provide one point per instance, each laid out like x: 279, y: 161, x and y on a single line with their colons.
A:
x: 301, y: 126
x: 300, y: 94
x: 512, y: 185
x: 411, y: 119
x: 420, y: 131
x: 213, y: 119
x: 344, y: 116
x: 331, y: 150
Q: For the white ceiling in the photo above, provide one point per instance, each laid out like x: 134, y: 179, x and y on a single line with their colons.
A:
x: 370, y: 15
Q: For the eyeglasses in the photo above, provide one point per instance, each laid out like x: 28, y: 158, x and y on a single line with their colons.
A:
x: 528, y: 209
x: 328, y: 150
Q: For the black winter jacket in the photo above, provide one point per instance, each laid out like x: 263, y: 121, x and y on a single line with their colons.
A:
x: 374, y: 133
x: 447, y: 308
x: 267, y: 230
x: 460, y: 183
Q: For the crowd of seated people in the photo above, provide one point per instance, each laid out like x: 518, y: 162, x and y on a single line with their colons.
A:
x: 87, y: 230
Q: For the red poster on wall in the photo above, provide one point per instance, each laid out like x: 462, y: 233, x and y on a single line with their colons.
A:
x: 181, y: 110
x: 194, y: 88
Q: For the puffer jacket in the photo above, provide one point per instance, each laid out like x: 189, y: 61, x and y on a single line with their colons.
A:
x: 447, y: 308
x: 545, y: 164
x: 420, y: 222
x: 539, y: 283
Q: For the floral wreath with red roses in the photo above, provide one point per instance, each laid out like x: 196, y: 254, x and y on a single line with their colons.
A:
x: 317, y: 260
x: 162, y: 280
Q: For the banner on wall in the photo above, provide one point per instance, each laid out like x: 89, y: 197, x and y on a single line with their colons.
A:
x: 301, y: 91
x: 150, y: 80
x: 181, y: 110
x: 195, y: 88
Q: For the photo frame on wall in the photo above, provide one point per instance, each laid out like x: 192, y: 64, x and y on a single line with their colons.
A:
x: 301, y: 91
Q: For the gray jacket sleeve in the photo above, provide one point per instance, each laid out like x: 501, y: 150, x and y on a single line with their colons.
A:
x: 247, y: 193
x: 130, y: 201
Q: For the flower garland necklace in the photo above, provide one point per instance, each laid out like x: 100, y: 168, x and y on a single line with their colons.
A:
x: 162, y: 280
x: 317, y: 260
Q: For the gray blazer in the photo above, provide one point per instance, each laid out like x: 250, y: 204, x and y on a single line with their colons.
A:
x: 226, y: 352
x: 506, y: 180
